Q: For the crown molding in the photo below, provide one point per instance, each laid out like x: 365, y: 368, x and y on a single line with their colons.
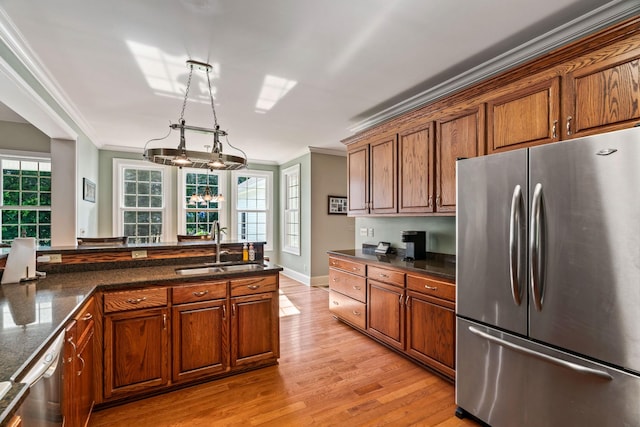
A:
x: 580, y: 27
x: 15, y: 42
x: 328, y: 151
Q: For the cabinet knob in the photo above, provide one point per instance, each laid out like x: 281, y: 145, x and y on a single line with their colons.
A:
x: 335, y: 302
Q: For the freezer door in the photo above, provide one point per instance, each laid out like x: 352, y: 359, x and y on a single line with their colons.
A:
x: 510, y: 381
x: 585, y: 246
x: 491, y: 240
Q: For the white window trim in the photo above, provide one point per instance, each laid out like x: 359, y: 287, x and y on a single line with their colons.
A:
x: 284, y: 195
x: 269, y: 203
x: 118, y: 177
x: 222, y: 185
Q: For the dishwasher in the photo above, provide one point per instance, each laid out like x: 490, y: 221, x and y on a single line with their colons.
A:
x: 42, y: 406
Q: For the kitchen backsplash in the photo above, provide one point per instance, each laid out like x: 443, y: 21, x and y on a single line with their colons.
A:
x: 441, y: 231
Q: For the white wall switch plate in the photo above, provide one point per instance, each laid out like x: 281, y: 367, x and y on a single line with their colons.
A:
x: 363, y: 231
x: 138, y: 254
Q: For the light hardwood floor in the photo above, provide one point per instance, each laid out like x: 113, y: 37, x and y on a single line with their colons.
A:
x: 328, y: 375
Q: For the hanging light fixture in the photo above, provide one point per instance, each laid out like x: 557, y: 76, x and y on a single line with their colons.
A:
x: 214, y: 159
x: 206, y: 197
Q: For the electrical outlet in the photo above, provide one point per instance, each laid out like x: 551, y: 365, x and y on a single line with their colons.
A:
x: 138, y: 254
x: 370, y: 232
x: 55, y: 258
x: 363, y: 231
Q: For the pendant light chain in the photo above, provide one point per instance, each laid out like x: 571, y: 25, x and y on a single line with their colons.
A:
x: 215, y: 117
x: 186, y: 92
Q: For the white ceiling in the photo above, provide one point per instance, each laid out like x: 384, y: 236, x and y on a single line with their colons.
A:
x: 350, y: 59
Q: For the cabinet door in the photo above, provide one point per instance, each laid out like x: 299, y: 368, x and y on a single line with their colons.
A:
x: 525, y: 117
x: 358, y: 177
x: 459, y: 136
x: 603, y: 96
x: 136, y: 351
x: 385, y: 313
x: 415, y: 152
x: 84, y: 396
x: 200, y: 339
x: 383, y: 175
x: 431, y: 332
x: 254, y: 329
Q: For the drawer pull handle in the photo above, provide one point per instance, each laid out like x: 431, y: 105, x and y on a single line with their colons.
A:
x: 255, y: 281
x: 431, y: 288
x: 354, y: 268
x: 200, y: 294
x: 357, y: 313
x: 334, y: 263
x: 136, y: 300
x: 253, y: 287
x: 335, y: 303
x: 224, y: 311
x: 87, y: 317
x: 357, y: 288
x: 335, y: 279
x: 384, y: 275
x: 83, y: 365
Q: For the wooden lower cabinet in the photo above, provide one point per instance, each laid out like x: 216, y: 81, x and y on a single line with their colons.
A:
x: 136, y: 351
x: 431, y: 331
x: 78, y: 368
x: 385, y: 312
x: 254, y: 329
x: 200, y: 340
x: 408, y: 311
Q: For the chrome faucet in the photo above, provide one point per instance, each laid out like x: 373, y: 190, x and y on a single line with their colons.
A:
x: 217, y: 235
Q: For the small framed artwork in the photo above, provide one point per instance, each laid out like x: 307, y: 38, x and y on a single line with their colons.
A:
x: 88, y: 190
x: 337, y: 205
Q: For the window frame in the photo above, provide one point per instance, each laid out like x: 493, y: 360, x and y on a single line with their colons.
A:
x: 119, y: 165
x: 284, y: 194
x: 182, y: 186
x: 26, y: 156
x: 268, y: 175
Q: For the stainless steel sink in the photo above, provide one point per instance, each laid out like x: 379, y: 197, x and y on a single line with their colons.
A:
x: 208, y: 269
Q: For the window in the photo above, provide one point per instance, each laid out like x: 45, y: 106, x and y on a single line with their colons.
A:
x: 252, y: 206
x: 141, y: 191
x: 26, y: 199
x: 198, y: 218
x: 291, y: 217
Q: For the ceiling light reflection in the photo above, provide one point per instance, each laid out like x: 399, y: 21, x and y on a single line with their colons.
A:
x: 273, y: 90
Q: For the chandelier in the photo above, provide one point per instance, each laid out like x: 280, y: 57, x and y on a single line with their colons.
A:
x: 206, y: 197
x: 214, y: 159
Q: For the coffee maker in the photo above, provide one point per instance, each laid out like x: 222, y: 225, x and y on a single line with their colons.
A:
x: 415, y: 245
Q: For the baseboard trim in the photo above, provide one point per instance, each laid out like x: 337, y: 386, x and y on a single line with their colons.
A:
x: 304, y: 279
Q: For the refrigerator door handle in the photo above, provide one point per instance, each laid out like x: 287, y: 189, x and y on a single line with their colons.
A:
x: 514, y: 244
x: 559, y: 362
x: 536, y: 247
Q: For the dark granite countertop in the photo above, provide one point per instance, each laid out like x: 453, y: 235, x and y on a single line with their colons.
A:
x: 44, y: 306
x: 440, y: 265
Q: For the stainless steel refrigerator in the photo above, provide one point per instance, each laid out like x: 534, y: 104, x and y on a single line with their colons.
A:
x: 548, y: 284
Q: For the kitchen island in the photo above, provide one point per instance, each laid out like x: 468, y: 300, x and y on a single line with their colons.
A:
x: 35, y: 312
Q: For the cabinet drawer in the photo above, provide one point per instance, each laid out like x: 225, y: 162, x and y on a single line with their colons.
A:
x: 388, y: 276
x: 348, y: 309
x: 134, y: 299
x: 350, y: 266
x: 431, y: 286
x: 253, y: 285
x: 199, y: 292
x: 84, y: 318
x: 348, y: 284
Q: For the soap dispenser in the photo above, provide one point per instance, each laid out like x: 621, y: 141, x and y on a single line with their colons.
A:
x: 252, y: 252
x: 245, y: 252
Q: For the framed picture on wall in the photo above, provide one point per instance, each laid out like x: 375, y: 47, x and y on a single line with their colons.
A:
x: 337, y: 205
x: 88, y: 190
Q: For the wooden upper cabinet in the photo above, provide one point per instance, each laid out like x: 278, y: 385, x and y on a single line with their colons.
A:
x: 524, y: 117
x: 602, y: 96
x: 461, y: 135
x: 358, y: 177
x: 415, y: 169
x: 383, y: 175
